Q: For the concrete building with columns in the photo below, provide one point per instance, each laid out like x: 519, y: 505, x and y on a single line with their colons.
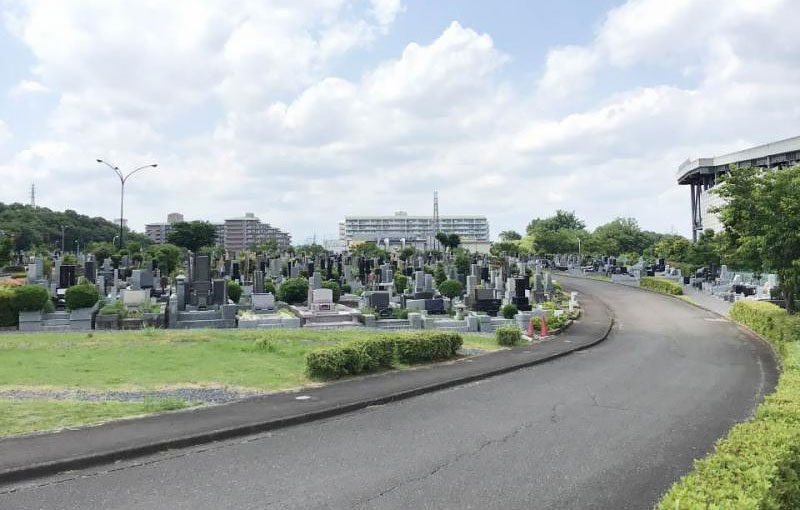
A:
x: 701, y: 175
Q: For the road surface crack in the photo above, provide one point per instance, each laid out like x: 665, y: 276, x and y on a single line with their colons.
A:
x: 444, y: 465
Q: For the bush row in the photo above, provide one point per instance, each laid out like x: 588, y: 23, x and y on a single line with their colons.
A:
x: 661, y: 285
x: 362, y: 356
x: 24, y: 298
x: 757, y: 466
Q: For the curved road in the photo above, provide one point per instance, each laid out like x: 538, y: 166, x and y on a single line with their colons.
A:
x: 610, y: 427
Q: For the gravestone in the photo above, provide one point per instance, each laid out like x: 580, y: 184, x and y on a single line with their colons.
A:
x: 219, y: 291
x: 66, y: 276
x: 90, y: 270
x: 258, y: 282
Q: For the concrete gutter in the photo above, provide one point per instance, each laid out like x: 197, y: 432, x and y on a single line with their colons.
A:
x: 25, y: 457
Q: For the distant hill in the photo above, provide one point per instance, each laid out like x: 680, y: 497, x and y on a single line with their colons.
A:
x: 34, y: 226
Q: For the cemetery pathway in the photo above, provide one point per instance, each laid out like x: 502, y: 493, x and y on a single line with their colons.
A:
x: 610, y: 427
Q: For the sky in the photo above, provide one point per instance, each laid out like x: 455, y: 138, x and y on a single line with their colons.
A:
x: 306, y: 111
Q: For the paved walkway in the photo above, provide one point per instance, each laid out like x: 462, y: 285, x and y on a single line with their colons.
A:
x: 708, y: 301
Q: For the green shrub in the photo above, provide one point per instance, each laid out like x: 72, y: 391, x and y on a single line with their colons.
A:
x: 29, y: 298
x: 369, y: 355
x: 269, y: 287
x: 234, y: 291
x: 8, y: 314
x: 346, y: 289
x: 293, y: 291
x: 116, y: 308
x: 509, y: 311
x: 399, y: 313
x: 661, y: 285
x: 81, y: 296
x: 451, y: 289
x: 758, y: 464
x: 400, y: 282
x: 351, y: 358
x: 508, y: 335
x: 425, y: 347
x: 337, y: 291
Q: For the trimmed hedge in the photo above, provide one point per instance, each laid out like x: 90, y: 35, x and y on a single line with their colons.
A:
x: 508, y: 335
x: 369, y: 355
x: 351, y: 358
x: 81, y: 296
x: 29, y: 298
x: 424, y: 347
x: 661, y: 285
x: 234, y: 291
x: 8, y: 314
x: 758, y: 465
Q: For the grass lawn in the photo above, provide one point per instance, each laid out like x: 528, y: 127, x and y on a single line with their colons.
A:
x: 24, y: 416
x: 150, y: 360
x: 164, y: 358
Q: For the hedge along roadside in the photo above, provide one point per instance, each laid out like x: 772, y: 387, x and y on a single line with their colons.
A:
x: 758, y: 465
x: 661, y: 285
x: 381, y: 352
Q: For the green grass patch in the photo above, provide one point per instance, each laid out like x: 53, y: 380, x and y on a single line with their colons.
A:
x: 163, y: 358
x: 26, y: 416
x: 757, y: 466
x: 260, y: 360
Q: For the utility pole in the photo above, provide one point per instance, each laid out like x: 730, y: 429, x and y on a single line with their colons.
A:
x: 63, y: 228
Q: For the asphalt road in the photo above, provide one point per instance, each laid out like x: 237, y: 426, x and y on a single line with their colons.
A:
x: 610, y: 427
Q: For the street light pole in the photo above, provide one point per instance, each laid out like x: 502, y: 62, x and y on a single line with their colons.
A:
x: 122, y: 179
x: 63, y: 248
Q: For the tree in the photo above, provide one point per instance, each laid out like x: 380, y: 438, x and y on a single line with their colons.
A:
x: 167, y: 255
x: 312, y: 250
x: 101, y: 251
x: 761, y: 216
x: 451, y: 289
x: 400, y: 282
x: 462, y: 260
x: 267, y: 247
x: 406, y: 253
x: 193, y: 235
x: 705, y: 251
x: 368, y: 250
x: 443, y: 239
x: 562, y: 220
x: 439, y: 274
x: 673, y: 247
x: 6, y: 247
x: 504, y: 248
x: 557, y: 234
x: 616, y: 237
x: 510, y: 235
x: 453, y: 241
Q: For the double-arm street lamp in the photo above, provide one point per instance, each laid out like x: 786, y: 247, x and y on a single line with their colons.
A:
x: 122, y: 179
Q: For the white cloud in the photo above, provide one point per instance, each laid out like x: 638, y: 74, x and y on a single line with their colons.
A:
x: 385, y: 11
x: 284, y: 134
x: 26, y: 87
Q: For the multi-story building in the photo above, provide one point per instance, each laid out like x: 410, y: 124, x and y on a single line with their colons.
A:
x: 412, y: 229
x: 174, y: 217
x: 702, y: 174
x: 158, y: 232
x: 235, y: 234
x: 239, y: 234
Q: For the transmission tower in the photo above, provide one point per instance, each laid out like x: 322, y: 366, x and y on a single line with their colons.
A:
x: 435, y: 219
x: 33, y: 195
